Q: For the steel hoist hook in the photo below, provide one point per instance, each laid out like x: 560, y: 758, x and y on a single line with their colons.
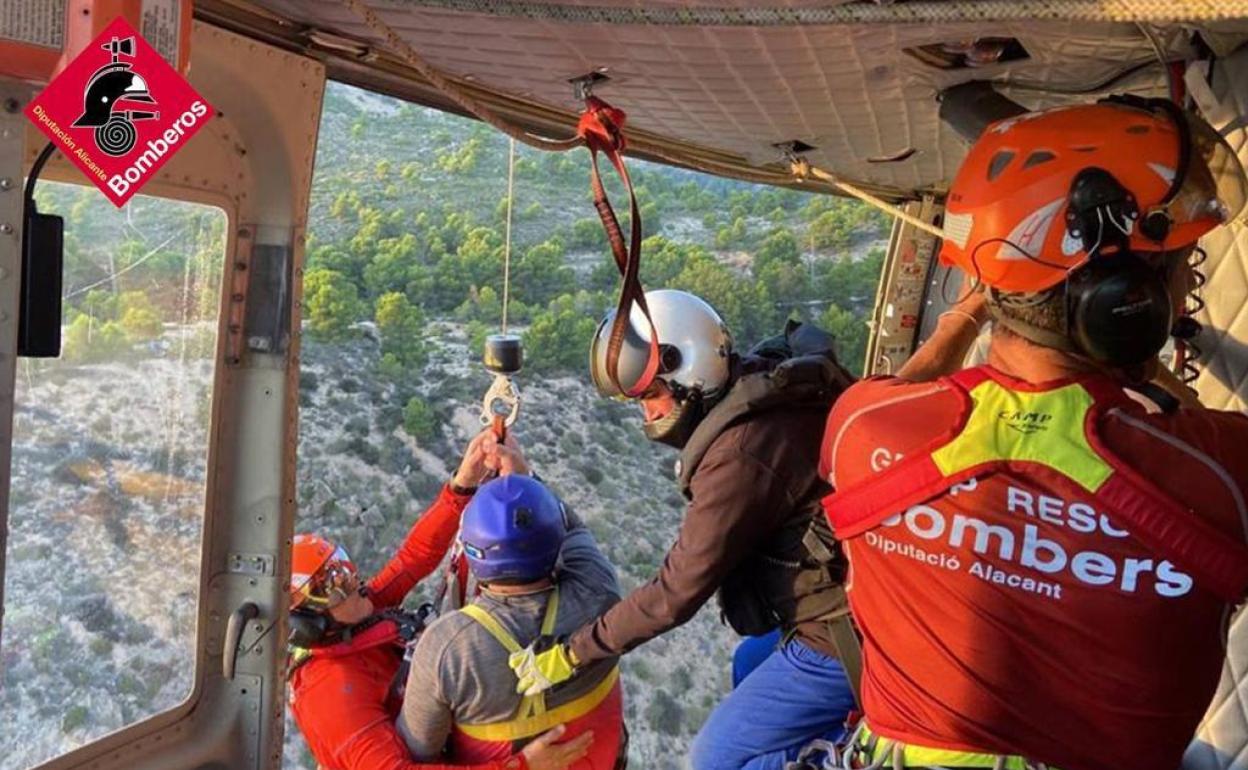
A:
x: 504, y: 356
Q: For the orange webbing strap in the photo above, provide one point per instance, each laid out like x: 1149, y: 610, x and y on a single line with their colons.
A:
x: 500, y: 428
x: 600, y: 127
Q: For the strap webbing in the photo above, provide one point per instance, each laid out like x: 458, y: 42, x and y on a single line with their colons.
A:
x: 1214, y: 561
x: 530, y: 705
x: 601, y: 127
x: 848, y: 650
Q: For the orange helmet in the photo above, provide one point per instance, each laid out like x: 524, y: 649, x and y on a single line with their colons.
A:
x: 321, y: 573
x: 1008, y: 221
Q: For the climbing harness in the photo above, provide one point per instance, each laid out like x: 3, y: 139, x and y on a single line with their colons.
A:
x: 533, y: 716
x: 865, y: 750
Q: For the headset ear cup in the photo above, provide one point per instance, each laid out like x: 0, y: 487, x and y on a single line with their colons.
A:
x: 307, y: 628
x: 1119, y: 310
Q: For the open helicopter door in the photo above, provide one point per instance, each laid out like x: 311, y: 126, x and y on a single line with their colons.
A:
x: 254, y: 162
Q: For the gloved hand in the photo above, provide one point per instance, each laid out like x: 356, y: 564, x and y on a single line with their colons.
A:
x: 546, y: 662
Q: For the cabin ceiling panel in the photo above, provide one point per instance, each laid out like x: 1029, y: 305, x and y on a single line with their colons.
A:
x: 849, y: 90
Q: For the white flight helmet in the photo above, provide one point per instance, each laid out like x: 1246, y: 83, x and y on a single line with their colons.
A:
x: 695, y: 358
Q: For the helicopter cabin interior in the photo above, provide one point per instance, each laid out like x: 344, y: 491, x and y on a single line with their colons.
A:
x: 882, y: 96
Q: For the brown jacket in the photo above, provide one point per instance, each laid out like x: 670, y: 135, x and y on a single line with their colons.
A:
x: 757, y: 483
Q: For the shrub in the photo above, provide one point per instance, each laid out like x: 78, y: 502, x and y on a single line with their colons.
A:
x: 419, y: 420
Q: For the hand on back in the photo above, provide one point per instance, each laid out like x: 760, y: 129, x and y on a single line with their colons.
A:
x: 545, y: 754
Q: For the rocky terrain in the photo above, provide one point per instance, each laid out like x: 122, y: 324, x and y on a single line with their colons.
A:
x: 110, y: 441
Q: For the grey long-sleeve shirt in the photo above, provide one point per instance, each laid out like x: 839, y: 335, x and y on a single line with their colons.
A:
x: 459, y: 672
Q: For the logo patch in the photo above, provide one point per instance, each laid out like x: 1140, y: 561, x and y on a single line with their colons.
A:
x: 119, y: 112
x: 1025, y: 422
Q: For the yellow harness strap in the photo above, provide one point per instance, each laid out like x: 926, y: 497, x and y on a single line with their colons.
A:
x: 530, y: 705
x: 528, y: 726
x: 1002, y: 426
x: 889, y: 753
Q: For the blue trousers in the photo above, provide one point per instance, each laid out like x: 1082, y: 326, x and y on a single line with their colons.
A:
x: 750, y: 654
x: 793, y: 697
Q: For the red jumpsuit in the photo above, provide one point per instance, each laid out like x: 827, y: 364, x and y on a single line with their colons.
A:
x: 339, y: 696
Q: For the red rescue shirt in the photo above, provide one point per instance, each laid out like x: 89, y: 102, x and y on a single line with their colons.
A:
x: 339, y: 696
x: 1010, y: 616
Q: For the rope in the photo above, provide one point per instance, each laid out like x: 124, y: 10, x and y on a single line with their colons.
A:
x: 802, y: 169
x: 452, y: 90
x: 916, y: 12
x: 511, y: 186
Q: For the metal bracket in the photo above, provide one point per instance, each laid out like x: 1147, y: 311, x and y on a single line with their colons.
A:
x: 583, y: 86
x: 250, y: 564
x: 793, y: 150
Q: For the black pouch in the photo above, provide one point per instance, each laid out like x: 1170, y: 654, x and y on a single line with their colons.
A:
x: 743, y: 606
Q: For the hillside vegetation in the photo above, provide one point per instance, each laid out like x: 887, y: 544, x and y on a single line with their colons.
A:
x: 403, y: 279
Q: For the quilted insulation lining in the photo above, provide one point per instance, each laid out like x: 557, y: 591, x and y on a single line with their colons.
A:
x: 1222, y: 740
x: 848, y: 90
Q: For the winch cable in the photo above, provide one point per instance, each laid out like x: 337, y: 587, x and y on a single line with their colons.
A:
x: 503, y: 384
x: 600, y: 130
x: 511, y: 191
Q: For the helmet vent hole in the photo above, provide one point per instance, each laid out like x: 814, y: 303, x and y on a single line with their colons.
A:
x: 1037, y: 158
x: 1084, y: 148
x: 998, y: 164
x: 1138, y: 129
x: 524, y: 518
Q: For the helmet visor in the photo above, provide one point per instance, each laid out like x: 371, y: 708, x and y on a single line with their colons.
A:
x: 634, y: 355
x: 331, y: 585
x: 1214, y: 187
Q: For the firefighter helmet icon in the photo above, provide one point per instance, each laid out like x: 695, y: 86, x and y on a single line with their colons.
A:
x: 113, y: 84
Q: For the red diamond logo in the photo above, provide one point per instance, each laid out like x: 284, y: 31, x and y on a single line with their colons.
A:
x: 119, y: 111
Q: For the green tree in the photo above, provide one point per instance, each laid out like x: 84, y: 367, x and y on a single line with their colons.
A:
x: 541, y: 274
x: 558, y: 339
x: 87, y: 340
x: 588, y: 234
x: 850, y: 332
x: 331, y: 303
x: 779, y: 247
x: 139, y: 319
x: 402, y: 327
x: 419, y: 419
x: 731, y: 236
x: 460, y: 160
x: 393, y: 266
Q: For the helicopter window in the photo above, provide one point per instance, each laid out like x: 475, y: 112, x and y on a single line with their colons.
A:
x: 110, y: 444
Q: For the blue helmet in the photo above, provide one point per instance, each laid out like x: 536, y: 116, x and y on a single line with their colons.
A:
x: 512, y: 530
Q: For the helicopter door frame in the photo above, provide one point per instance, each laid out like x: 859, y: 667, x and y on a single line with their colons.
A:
x: 904, y: 300
x: 254, y: 160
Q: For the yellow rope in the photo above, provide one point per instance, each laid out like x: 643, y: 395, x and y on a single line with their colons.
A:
x: 802, y: 170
